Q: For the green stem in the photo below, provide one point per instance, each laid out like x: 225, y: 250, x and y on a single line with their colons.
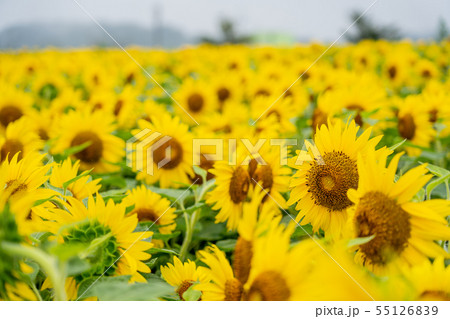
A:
x: 190, y: 223
x: 48, y: 264
x: 188, y: 236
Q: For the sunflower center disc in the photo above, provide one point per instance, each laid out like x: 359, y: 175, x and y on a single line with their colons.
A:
x: 239, y: 185
x: 223, y: 94
x: 407, y: 127
x: 434, y: 295
x: 195, y: 102
x: 329, y: 183
x: 269, y: 286
x: 145, y: 214
x: 183, y: 287
x: 381, y: 216
x: 358, y: 109
x: 93, y: 152
x: 161, y: 154
x: 11, y: 147
x: 9, y: 114
x: 242, y: 259
x: 233, y: 290
x: 392, y: 71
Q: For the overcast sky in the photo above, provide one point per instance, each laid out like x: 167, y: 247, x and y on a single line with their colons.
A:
x: 313, y: 19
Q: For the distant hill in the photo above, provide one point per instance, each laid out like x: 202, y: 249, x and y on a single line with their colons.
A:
x: 76, y: 35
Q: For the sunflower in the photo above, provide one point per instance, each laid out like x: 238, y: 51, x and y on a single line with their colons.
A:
x: 19, y: 139
x: 196, y: 98
x: 430, y: 280
x: 126, y: 107
x: 413, y: 123
x: 13, y: 105
x: 403, y: 231
x: 233, y: 184
x: 227, y: 88
x: 277, y: 272
x: 95, y: 130
x: 151, y: 207
x: 176, y: 139
x: 69, y: 99
x: 256, y: 220
x: 81, y: 185
x: 367, y: 96
x: 119, y: 249
x: 19, y: 204
x: 20, y: 291
x: 236, y: 182
x: 223, y: 285
x: 319, y: 187
x: 25, y: 176
x: 283, y: 111
x: 333, y: 275
x: 183, y: 275
x: 48, y: 85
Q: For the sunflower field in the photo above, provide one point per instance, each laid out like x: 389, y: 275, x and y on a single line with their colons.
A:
x: 333, y: 180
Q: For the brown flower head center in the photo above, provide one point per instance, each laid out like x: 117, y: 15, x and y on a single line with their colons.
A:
x: 318, y: 119
x: 328, y: 183
x: 146, y: 214
x: 262, y: 174
x: 170, y: 150
x: 239, y: 184
x: 434, y: 115
x: 434, y: 295
x: 92, y: 153
x: 358, y: 109
x: 15, y: 186
x: 262, y: 92
x: 183, y: 287
x: 243, y: 254
x: 269, y: 286
x: 407, y: 126
x: 9, y: 113
x: 118, y: 107
x: 392, y: 72
x: 206, y: 164
x: 11, y: 148
x: 426, y: 74
x: 274, y: 113
x: 195, y: 102
x: 223, y: 94
x: 379, y: 215
x: 233, y: 290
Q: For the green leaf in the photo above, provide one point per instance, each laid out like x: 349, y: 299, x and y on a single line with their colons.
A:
x: 42, y: 201
x: 436, y: 170
x: 112, y: 289
x: 166, y: 236
x: 172, y: 194
x: 201, y: 172
x: 162, y: 250
x: 71, y: 150
x: 359, y: 241
x: 76, y: 266
x: 227, y: 244
x: 73, y: 180
x: 302, y: 231
x: 435, y: 183
x: 443, y: 177
x: 192, y: 294
x: 395, y: 146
